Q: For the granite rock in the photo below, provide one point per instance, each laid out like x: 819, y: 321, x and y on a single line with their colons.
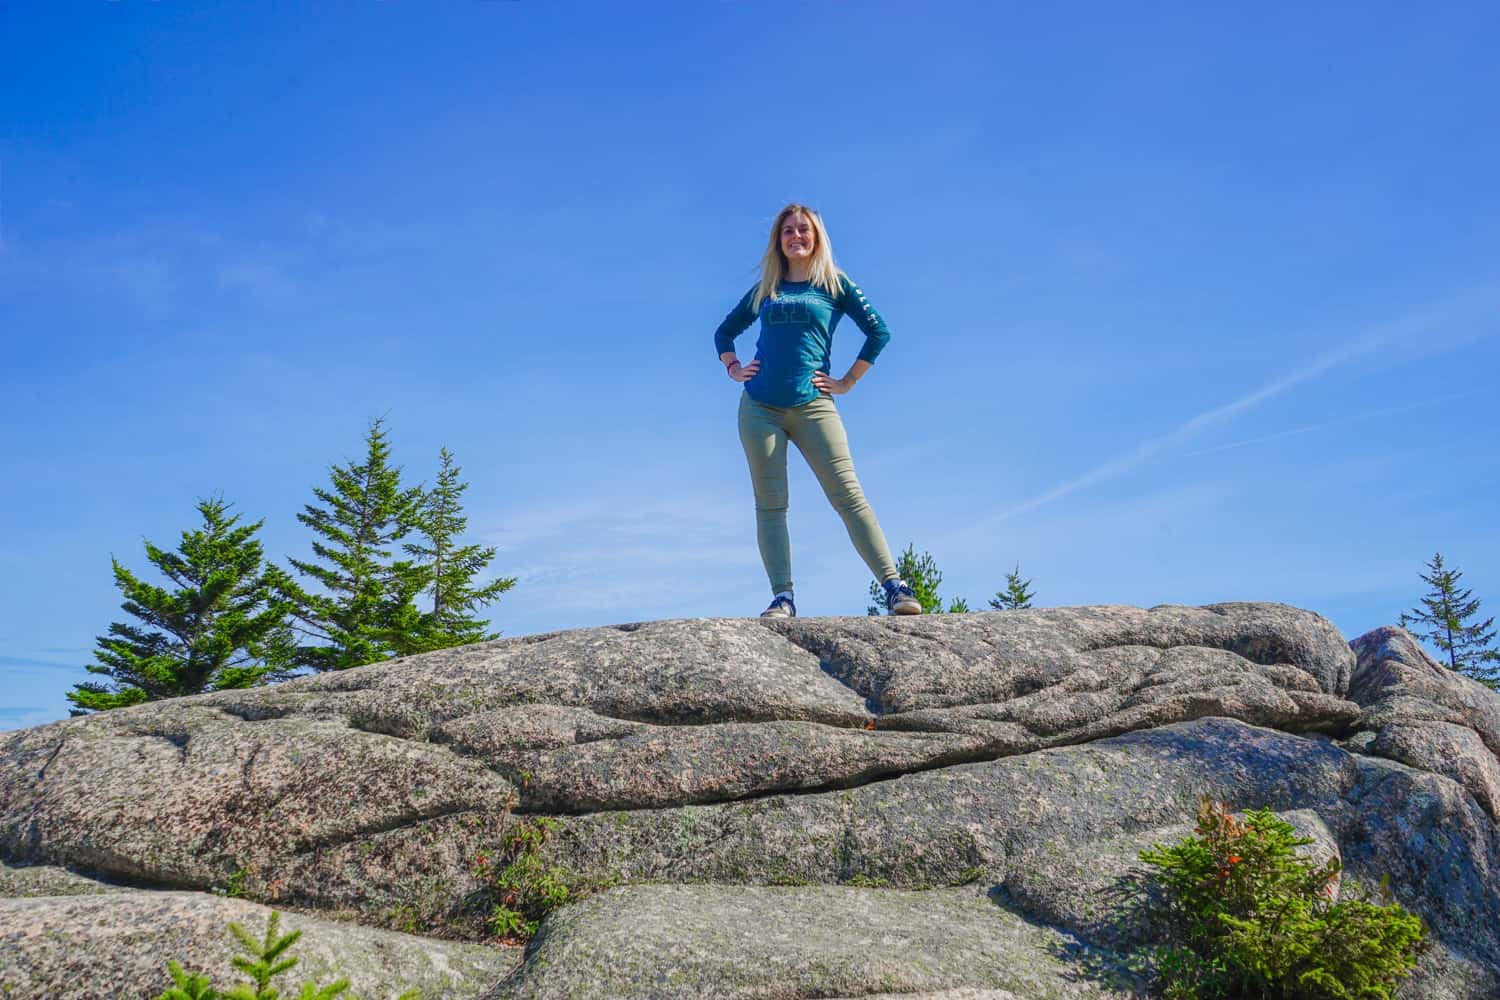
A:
x: 1419, y: 712
x: 86, y: 947
x: 969, y: 789
x: 738, y: 942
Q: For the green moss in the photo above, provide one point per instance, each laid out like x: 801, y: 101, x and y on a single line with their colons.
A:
x: 788, y: 880
x: 866, y: 882
x: 404, y: 917
x: 968, y: 876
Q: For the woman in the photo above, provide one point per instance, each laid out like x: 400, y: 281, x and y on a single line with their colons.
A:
x: 789, y: 396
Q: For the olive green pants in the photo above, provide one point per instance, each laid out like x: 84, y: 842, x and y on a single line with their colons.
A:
x: 817, y: 431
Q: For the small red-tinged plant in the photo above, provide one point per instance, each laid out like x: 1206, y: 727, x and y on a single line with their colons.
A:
x: 526, y: 888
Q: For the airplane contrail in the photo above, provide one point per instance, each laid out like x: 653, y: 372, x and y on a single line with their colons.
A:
x: 1188, y: 429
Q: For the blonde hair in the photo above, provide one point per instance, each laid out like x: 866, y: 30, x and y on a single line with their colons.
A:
x: 824, y: 274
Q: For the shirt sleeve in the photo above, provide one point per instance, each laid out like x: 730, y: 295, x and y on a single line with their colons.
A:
x: 857, y: 307
x: 738, y: 320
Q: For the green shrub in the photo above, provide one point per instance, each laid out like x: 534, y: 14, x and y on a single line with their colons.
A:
x: 527, y: 887
x: 234, y: 885
x: 261, y: 962
x: 1244, y: 915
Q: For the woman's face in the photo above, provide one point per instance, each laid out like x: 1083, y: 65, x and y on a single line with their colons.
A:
x: 798, y: 241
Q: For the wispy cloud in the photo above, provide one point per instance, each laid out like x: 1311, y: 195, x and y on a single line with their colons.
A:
x: 1340, y: 421
x: 1467, y: 315
x: 618, y: 553
x: 155, y: 266
x: 27, y: 663
x: 263, y: 281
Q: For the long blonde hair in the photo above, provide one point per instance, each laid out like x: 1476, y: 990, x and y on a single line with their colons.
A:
x: 825, y: 273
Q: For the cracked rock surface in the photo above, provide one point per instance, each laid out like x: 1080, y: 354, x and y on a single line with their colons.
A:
x: 768, y: 796
x: 80, y: 947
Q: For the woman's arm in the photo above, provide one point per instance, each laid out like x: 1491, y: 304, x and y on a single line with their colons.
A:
x: 854, y: 305
x: 839, y: 386
x: 736, y: 323
x: 738, y: 372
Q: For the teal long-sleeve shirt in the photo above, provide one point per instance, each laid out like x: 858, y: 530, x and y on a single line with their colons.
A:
x: 796, y: 337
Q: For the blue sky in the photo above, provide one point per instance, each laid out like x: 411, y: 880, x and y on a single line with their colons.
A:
x: 1186, y: 305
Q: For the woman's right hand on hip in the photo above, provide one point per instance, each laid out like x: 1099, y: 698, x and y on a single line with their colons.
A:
x: 743, y: 373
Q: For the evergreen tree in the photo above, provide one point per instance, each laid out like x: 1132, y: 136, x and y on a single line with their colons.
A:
x: 452, y: 567
x: 1446, y: 616
x: 923, y: 577
x: 221, y: 627
x: 367, y: 608
x: 1017, y: 593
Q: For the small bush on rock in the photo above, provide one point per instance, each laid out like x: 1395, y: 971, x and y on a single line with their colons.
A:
x: 1244, y: 915
x: 528, y: 887
x: 261, y: 961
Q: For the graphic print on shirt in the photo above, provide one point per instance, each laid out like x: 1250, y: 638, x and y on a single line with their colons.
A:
x: 864, y: 305
x: 785, y: 309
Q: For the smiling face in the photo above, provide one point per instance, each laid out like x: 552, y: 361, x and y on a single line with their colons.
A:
x: 798, y: 239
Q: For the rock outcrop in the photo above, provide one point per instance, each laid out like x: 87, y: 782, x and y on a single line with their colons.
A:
x: 1425, y: 715
x: 111, y: 944
x: 940, y: 806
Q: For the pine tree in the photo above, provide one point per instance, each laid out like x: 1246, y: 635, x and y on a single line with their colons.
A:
x: 221, y: 627
x: 452, y: 567
x: 1447, y: 614
x: 923, y: 577
x: 1017, y: 593
x: 367, y: 608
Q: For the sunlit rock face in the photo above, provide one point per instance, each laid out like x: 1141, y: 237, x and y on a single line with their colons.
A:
x: 942, y: 805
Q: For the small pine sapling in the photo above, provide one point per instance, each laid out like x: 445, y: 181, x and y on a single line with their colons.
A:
x: 1016, y: 595
x: 262, y: 961
x: 1448, y: 618
x: 187, y: 985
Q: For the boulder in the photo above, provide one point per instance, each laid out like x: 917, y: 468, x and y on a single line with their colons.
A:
x: 82, y: 947
x: 1417, y: 711
x: 182, y: 793
x: 750, y: 798
x: 1058, y: 816
x: 787, y: 943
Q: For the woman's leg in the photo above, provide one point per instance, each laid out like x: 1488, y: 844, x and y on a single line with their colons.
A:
x: 764, y: 438
x: 818, y: 433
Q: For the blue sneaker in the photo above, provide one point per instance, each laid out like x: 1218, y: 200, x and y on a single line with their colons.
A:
x: 899, y: 599
x: 781, y: 607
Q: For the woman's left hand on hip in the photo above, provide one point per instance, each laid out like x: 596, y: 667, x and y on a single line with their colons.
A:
x: 834, y: 386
